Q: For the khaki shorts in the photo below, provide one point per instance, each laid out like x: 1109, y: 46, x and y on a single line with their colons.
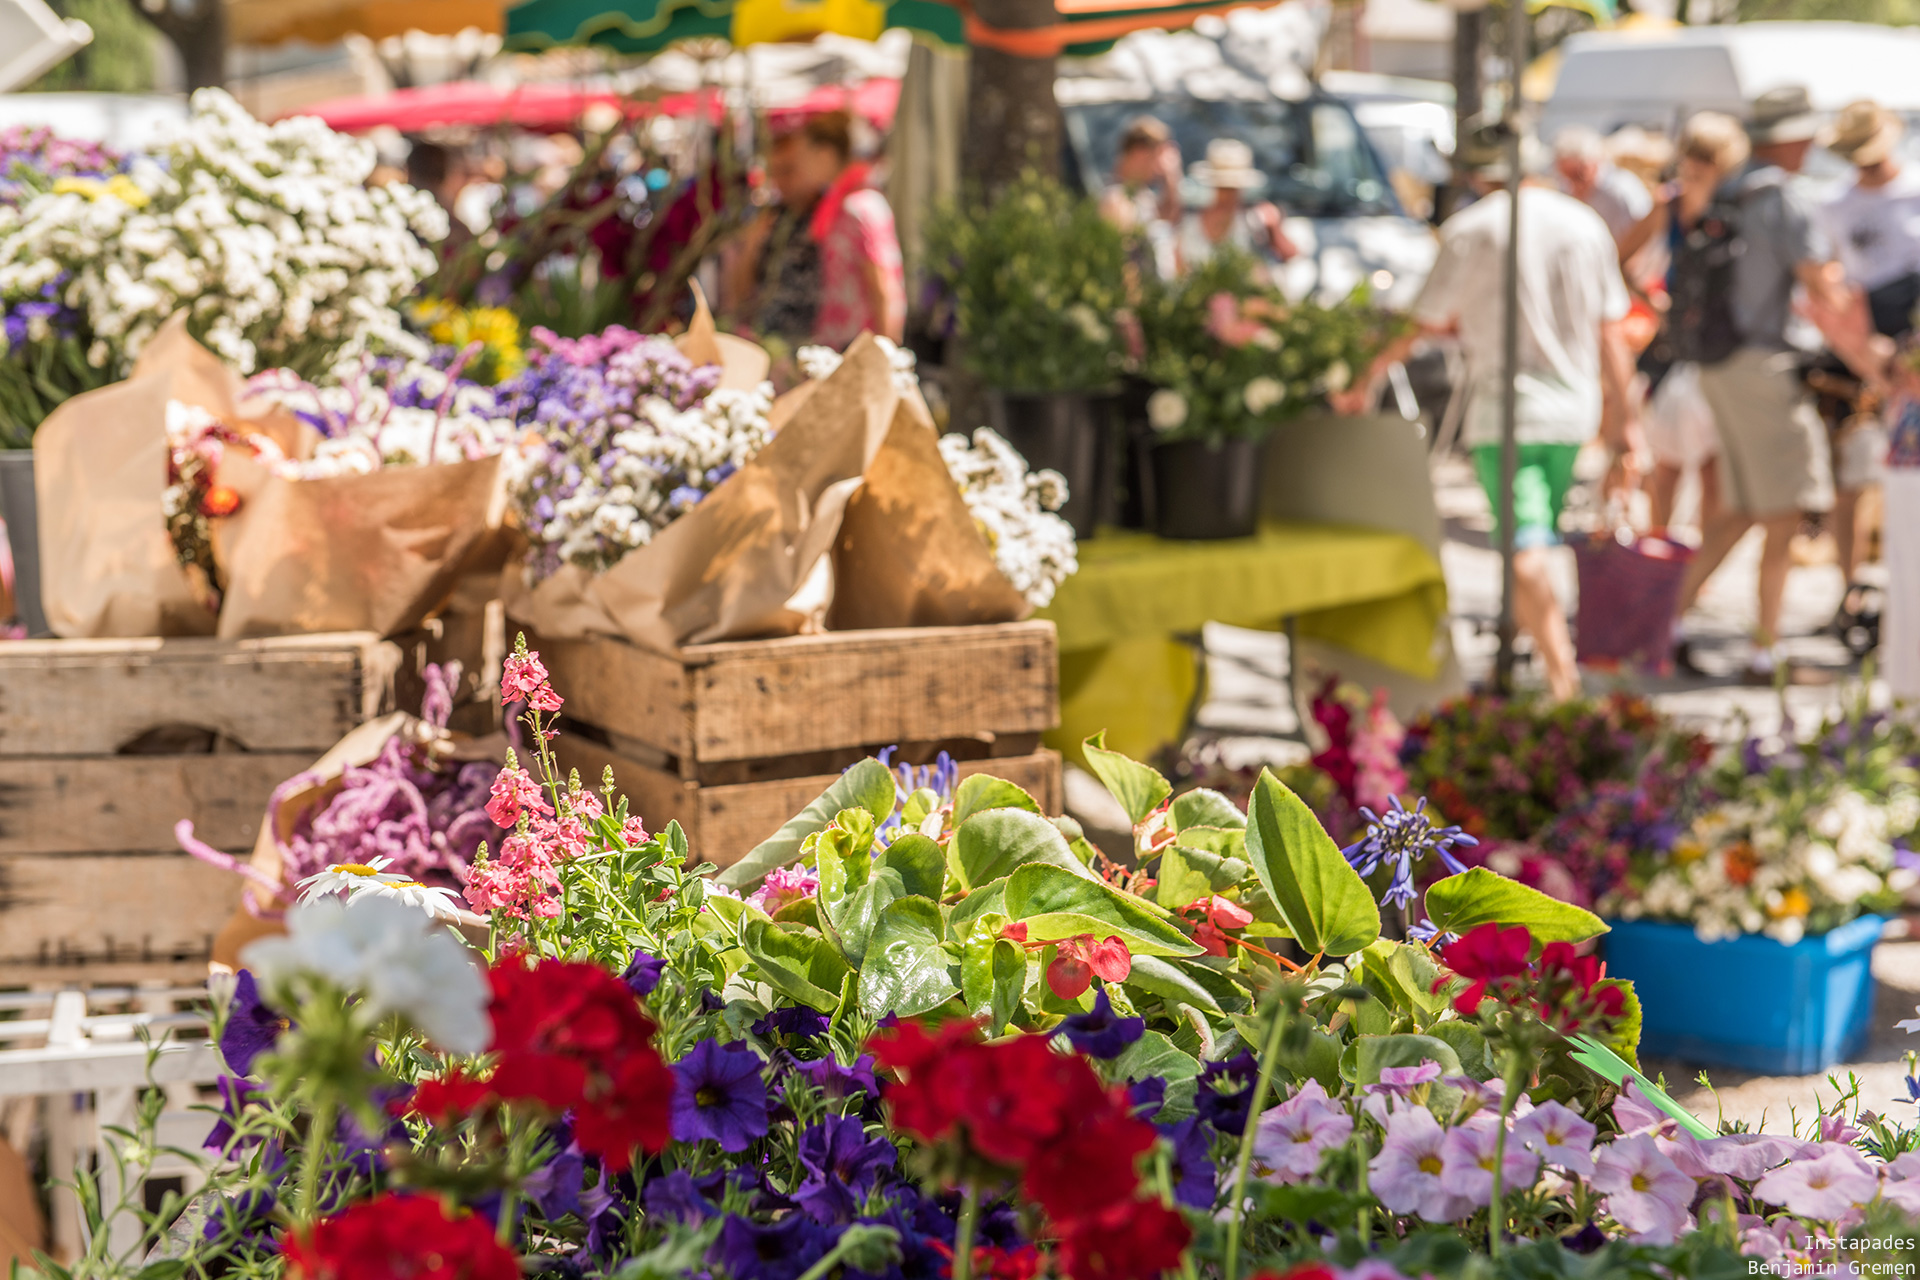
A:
x: 1773, y: 446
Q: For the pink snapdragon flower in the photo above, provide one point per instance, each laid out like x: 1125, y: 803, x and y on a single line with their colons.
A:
x: 1289, y: 1140
x: 515, y: 792
x: 1467, y: 1160
x: 1827, y: 1185
x: 519, y: 881
x: 524, y: 679
x: 1406, y: 1175
x: 1559, y: 1136
x: 1646, y: 1192
x: 783, y: 887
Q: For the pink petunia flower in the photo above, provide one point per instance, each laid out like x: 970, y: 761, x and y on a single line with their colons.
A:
x: 1559, y: 1136
x: 1405, y: 1176
x: 1826, y: 1186
x: 1467, y: 1160
x: 1646, y: 1192
x: 1290, y: 1139
x: 1742, y: 1156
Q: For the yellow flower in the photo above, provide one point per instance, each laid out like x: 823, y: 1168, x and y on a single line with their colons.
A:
x: 119, y: 186
x: 1793, y: 902
x: 495, y: 328
x: 1688, y: 850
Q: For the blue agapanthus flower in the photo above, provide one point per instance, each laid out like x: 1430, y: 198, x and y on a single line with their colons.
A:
x: 1399, y: 838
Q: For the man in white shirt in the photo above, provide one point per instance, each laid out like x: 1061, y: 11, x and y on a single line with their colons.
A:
x: 1875, y: 222
x: 1589, y: 176
x: 1572, y: 300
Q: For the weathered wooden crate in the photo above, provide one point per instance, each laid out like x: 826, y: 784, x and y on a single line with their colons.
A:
x: 106, y: 744
x: 732, y: 739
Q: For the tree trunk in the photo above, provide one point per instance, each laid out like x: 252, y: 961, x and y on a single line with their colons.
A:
x: 1013, y: 121
x: 1469, y: 36
x: 198, y: 30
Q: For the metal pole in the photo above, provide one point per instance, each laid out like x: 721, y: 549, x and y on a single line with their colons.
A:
x: 1509, y: 389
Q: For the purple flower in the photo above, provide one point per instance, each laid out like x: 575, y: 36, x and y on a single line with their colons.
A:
x: 1825, y: 1186
x: 1467, y: 1160
x: 1097, y: 1033
x: 1289, y: 1140
x: 1646, y: 1192
x: 1225, y: 1095
x: 1399, y: 838
x: 674, y: 1196
x: 841, y: 1165
x: 1405, y: 1176
x: 244, y: 1221
x: 1146, y: 1097
x: 718, y: 1095
x: 642, y: 973
x: 795, y: 1021
x: 837, y: 1082
x: 555, y: 1185
x: 235, y: 1095
x: 1190, y: 1168
x: 252, y: 1027
x: 781, y: 1250
x: 1558, y: 1136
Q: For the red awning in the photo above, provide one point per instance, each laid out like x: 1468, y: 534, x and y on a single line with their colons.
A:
x: 874, y: 101
x: 471, y: 103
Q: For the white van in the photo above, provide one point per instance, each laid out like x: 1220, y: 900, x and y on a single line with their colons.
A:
x: 1656, y: 79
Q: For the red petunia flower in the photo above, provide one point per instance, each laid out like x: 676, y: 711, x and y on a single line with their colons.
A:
x: 1484, y: 955
x: 449, y: 1098
x: 1129, y: 1240
x: 1091, y: 1165
x: 399, y: 1237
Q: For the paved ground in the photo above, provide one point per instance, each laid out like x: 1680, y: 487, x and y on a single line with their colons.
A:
x: 1248, y: 704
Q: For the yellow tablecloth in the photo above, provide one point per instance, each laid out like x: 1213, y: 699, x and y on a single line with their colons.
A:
x: 1377, y: 594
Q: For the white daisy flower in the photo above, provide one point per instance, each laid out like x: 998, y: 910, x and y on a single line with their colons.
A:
x: 343, y: 878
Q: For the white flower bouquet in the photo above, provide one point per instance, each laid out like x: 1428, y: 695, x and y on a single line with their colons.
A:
x: 267, y: 236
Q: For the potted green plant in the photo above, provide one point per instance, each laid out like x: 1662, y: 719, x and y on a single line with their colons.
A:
x: 1036, y: 279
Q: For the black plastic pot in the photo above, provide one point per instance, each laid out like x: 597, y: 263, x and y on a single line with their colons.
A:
x: 1133, y: 438
x: 22, y: 514
x: 1065, y: 431
x: 1204, y: 490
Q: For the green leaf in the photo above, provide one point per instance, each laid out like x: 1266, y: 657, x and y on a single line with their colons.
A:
x: 1139, y: 789
x: 1322, y: 901
x: 1459, y: 903
x: 987, y: 898
x: 1307, y: 1202
x: 799, y: 964
x: 1608, y: 1065
x: 991, y: 844
x: 980, y: 792
x: 1189, y: 874
x: 1374, y: 1054
x: 867, y: 785
x: 1154, y: 1055
x: 1055, y: 905
x: 1317, y: 1059
x: 911, y: 865
x: 1227, y: 842
x: 1406, y: 972
x: 682, y: 1253
x: 1185, y: 982
x: 906, y: 970
x: 1204, y: 808
x: 1469, y: 1045
x: 993, y: 977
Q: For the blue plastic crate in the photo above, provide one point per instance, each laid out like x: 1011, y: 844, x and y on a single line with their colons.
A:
x: 1749, y: 1002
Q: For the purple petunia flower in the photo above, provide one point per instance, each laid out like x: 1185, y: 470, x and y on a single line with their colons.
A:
x: 1098, y: 1033
x: 675, y: 1197
x: 838, y: 1082
x: 1225, y: 1095
x: 643, y: 972
x: 1146, y: 1097
x: 782, y: 1250
x: 841, y: 1164
x: 718, y: 1095
x: 1191, y: 1169
x: 252, y: 1027
x: 797, y: 1021
x: 235, y: 1095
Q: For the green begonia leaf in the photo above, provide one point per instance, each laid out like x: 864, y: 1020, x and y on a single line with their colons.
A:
x: 1154, y: 1055
x: 906, y: 970
x: 1374, y: 1054
x: 1055, y: 905
x: 981, y: 792
x: 1460, y: 903
x: 990, y: 845
x: 1323, y: 902
x: 798, y: 963
x: 1204, y: 808
x: 993, y: 977
x: 911, y: 865
x: 867, y: 785
x: 1139, y: 789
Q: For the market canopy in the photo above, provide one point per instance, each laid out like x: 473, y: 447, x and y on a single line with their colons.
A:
x: 645, y: 26
x: 471, y: 103
x: 324, y: 21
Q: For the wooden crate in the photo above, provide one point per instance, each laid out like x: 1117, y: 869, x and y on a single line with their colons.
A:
x: 106, y: 744
x: 732, y: 739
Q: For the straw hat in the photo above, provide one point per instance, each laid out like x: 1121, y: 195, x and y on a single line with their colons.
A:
x: 1782, y: 115
x: 1229, y: 164
x: 1864, y: 133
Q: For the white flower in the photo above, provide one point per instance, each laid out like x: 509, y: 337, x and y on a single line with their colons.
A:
x: 396, y: 956
x: 1337, y: 377
x: 346, y: 877
x: 1034, y: 548
x: 1261, y: 394
x: 1166, y: 409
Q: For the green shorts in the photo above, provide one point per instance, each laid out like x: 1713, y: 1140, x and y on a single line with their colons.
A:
x: 1541, y: 478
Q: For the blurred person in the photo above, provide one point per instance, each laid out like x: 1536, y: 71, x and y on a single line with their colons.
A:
x: 1589, y: 175
x: 1229, y: 173
x: 1874, y: 223
x: 443, y: 173
x: 837, y: 230
x: 1572, y: 354
x: 1143, y: 199
x: 1740, y: 251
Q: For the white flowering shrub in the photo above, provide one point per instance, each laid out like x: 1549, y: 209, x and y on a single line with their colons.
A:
x: 265, y: 234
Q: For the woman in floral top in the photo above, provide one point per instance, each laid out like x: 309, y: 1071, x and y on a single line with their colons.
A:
x: 828, y: 255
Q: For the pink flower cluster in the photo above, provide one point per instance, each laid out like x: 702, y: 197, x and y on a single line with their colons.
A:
x: 591, y: 349
x: 1364, y: 737
x: 783, y: 887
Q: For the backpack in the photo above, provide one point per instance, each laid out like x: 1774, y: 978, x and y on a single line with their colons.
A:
x: 1700, y: 325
